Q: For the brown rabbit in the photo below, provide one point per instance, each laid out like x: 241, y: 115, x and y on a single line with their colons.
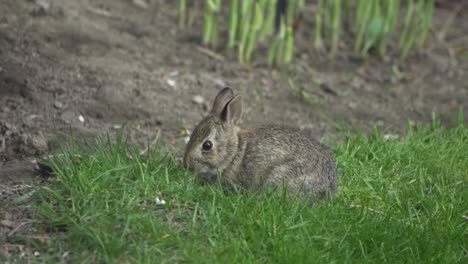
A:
x: 268, y: 155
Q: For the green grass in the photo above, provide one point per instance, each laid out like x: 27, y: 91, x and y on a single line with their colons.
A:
x: 400, y: 201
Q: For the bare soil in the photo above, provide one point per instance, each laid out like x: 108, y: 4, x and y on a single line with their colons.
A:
x: 93, y: 66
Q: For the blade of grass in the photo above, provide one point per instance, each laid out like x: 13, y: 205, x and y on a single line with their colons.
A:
x: 181, y: 10
x: 318, y: 25
x: 335, y: 28
x: 268, y: 22
x: 233, y: 22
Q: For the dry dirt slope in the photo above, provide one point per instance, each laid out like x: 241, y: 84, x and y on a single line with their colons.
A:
x: 111, y: 62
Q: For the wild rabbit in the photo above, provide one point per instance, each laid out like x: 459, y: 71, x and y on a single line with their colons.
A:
x: 268, y: 155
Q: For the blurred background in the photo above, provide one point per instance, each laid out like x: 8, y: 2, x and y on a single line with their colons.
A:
x: 92, y: 66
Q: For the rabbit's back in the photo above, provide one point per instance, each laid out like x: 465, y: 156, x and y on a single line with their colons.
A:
x: 274, y: 155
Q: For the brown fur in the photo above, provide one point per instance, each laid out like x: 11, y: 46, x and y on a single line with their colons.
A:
x: 268, y: 155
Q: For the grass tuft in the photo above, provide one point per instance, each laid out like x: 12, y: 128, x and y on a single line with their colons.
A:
x: 400, y: 200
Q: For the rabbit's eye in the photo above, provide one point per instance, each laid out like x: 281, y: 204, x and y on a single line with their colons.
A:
x: 207, y: 145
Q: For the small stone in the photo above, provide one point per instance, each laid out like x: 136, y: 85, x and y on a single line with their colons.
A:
x: 140, y: 3
x: 81, y: 118
x: 390, y: 136
x: 171, y: 83
x: 198, y: 99
x: 39, y: 142
x: 67, y: 117
x: 59, y: 105
x: 160, y: 201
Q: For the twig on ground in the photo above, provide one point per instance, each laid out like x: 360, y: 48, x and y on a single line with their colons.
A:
x: 367, y: 208
x: 61, y: 155
x: 19, y: 226
x: 448, y: 23
x: 100, y: 11
x: 211, y: 54
x: 12, y: 190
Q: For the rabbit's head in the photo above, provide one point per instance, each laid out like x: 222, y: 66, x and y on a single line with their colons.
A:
x: 213, y: 143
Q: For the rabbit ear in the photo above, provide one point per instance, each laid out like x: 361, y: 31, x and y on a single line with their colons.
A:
x: 221, y: 100
x: 233, y: 111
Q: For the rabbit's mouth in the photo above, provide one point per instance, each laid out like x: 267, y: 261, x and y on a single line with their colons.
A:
x: 205, y: 170
x: 208, y: 174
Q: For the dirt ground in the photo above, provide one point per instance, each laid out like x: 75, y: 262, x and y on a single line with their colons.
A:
x: 92, y: 66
